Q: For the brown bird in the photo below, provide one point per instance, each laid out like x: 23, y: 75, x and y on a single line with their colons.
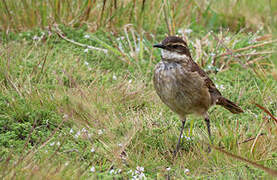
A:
x: 183, y: 86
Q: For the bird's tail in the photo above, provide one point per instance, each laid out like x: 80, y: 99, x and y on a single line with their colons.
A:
x: 227, y: 104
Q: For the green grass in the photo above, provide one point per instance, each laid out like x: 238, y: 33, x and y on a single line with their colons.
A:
x: 68, y: 111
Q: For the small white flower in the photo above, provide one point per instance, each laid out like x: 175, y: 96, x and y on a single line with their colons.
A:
x: 112, y: 171
x: 168, y: 169
x: 142, y: 176
x: 86, y: 36
x: 86, y: 50
x: 114, y: 77
x: 71, y: 131
x: 92, y: 150
x: 120, y: 38
x: 227, y: 38
x: 36, y: 38
x: 65, y: 116
x: 141, y: 169
x: 77, y: 134
x: 180, y: 31
x: 188, y: 31
x: 130, y: 81
x: 92, y: 169
x: 130, y: 171
x: 58, y: 143
x: 86, y: 63
x: 186, y: 171
x: 120, y: 145
x: 212, y: 54
x: 100, y: 131
x: 209, y: 66
x: 220, y: 87
x: 84, y: 130
x: 187, y: 138
x: 52, y: 144
x: 89, y: 135
x: 119, y: 171
x: 66, y: 163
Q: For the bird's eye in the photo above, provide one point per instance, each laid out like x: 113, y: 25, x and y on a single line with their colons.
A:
x: 174, y: 46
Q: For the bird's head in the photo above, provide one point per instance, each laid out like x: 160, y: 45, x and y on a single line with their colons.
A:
x: 174, y: 49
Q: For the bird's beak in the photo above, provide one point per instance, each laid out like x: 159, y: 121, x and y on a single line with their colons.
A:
x: 159, y: 46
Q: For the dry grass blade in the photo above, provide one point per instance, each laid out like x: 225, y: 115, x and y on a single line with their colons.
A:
x: 272, y: 172
x: 254, y: 54
x: 246, y: 48
x: 267, y: 112
x: 60, y: 34
x: 250, y: 139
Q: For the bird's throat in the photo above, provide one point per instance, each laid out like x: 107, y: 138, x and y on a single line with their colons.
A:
x: 173, y: 56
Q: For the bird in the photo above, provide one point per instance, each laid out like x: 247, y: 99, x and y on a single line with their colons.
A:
x: 184, y: 87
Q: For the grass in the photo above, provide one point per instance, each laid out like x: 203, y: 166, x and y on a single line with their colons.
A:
x: 68, y: 110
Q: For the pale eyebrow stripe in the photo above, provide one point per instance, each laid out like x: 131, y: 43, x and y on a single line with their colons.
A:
x: 180, y: 44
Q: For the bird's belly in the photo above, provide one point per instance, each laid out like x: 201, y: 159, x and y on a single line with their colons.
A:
x: 181, y: 93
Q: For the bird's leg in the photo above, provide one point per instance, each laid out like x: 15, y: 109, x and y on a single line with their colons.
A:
x: 180, y: 137
x: 207, y: 120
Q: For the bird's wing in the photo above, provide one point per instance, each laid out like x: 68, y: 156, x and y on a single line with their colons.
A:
x: 208, y: 82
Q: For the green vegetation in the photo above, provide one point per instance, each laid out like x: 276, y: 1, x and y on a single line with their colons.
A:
x: 77, y: 99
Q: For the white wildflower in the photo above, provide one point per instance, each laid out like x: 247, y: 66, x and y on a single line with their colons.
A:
x: 92, y: 169
x: 36, y: 38
x: 77, y: 134
x: 220, y: 87
x: 212, y: 54
x: 168, y: 169
x: 120, y: 38
x: 187, y: 138
x: 120, y: 145
x: 130, y: 81
x: 84, y: 130
x: 71, y: 131
x: 209, y: 66
x: 52, y: 144
x: 114, y: 77
x: 141, y: 176
x: 86, y: 50
x: 87, y: 36
x: 100, y: 131
x: 130, y: 171
x: 65, y: 116
x: 66, y: 163
x: 188, y: 31
x: 141, y: 169
x: 186, y: 171
x: 58, y: 143
x: 112, y: 171
x: 180, y: 31
x: 92, y: 150
x: 86, y: 63
x: 227, y: 39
